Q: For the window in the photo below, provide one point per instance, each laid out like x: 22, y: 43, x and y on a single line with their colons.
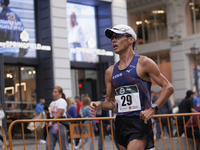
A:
x: 82, y: 38
x: 20, y: 94
x: 150, y: 26
x: 193, y: 16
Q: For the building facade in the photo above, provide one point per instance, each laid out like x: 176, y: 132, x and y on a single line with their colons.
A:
x: 45, y: 52
x: 166, y: 30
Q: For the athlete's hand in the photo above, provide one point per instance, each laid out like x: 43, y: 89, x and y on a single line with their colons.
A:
x: 147, y: 114
x: 94, y: 106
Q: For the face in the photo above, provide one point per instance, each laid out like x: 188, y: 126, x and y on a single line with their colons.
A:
x: 73, y: 18
x: 191, y: 96
x: 56, y: 95
x: 43, y: 101
x: 120, y: 42
x: 76, y: 100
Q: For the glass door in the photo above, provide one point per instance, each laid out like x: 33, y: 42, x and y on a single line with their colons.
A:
x: 20, y: 96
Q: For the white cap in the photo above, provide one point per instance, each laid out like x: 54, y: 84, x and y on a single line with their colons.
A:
x: 120, y: 29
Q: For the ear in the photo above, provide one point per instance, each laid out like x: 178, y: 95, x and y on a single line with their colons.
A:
x: 131, y: 40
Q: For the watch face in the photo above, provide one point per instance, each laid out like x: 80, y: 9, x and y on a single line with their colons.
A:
x: 154, y: 105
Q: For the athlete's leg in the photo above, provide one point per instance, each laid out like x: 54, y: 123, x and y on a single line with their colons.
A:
x: 122, y: 147
x: 137, y: 144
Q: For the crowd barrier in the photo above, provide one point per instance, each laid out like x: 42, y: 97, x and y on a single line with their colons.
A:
x: 4, y: 138
x: 82, y: 130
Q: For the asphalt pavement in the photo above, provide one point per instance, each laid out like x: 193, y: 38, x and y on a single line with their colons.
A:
x: 31, y: 145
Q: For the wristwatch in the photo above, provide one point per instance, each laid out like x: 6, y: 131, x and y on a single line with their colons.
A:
x: 154, y: 106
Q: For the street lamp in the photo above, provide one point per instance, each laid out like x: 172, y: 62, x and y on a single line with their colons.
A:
x: 195, y: 50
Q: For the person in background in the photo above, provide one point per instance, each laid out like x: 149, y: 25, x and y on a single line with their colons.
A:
x: 40, y: 109
x: 71, y: 113
x: 194, y: 123
x: 195, y: 100
x: 106, y: 124
x: 71, y: 109
x: 57, y: 109
x: 40, y: 106
x: 85, y: 111
x: 185, y: 106
x: 2, y: 115
x: 79, y: 104
x: 46, y: 111
x: 166, y: 108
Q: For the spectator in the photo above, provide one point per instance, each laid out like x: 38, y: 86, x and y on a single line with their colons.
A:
x: 2, y: 115
x: 185, y: 106
x: 166, y: 108
x: 79, y: 104
x: 40, y: 106
x: 46, y: 111
x: 40, y: 109
x: 106, y: 124
x: 195, y: 100
x: 71, y: 109
x: 194, y: 123
x: 71, y: 113
x: 85, y: 111
x: 57, y: 109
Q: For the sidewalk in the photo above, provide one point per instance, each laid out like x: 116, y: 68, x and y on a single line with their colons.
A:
x: 30, y: 144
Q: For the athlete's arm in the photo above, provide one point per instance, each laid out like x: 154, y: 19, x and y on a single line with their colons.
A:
x: 109, y: 103
x: 148, y: 68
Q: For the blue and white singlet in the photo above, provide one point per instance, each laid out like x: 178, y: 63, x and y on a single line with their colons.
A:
x: 132, y: 93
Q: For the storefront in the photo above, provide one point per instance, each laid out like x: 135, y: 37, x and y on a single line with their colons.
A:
x: 89, y: 52
x: 29, y: 60
x: 25, y: 53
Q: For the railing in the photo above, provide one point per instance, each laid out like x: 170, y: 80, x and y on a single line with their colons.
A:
x: 82, y: 134
x: 4, y: 138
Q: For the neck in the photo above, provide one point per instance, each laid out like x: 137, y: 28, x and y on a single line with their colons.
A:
x: 125, y: 59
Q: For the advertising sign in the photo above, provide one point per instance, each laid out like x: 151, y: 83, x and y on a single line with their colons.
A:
x: 17, y: 29
x: 81, y: 27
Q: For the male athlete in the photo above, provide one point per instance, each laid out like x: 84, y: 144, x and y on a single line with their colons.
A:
x: 129, y: 83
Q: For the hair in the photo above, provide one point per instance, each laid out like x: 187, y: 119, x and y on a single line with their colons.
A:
x: 77, y: 97
x: 134, y: 45
x: 86, y: 101
x: 60, y: 90
x: 5, y: 2
x: 76, y: 23
x: 70, y: 101
x: 1, y: 108
x: 46, y: 108
x: 41, y: 99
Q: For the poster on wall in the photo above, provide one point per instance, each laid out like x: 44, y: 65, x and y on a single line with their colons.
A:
x: 81, y: 27
x: 17, y: 28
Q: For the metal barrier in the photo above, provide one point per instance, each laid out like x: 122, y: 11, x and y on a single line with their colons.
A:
x: 82, y: 126
x: 4, y: 138
x: 177, y: 129
x: 71, y: 127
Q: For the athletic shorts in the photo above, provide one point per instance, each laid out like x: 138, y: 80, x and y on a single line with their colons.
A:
x: 128, y: 128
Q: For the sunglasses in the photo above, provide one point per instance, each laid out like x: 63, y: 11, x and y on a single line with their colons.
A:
x: 117, y: 36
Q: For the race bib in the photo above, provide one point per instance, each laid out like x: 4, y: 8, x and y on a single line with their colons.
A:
x: 128, y: 98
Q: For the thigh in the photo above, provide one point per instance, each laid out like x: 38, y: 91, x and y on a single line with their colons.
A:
x: 137, y: 144
x: 122, y: 147
x: 52, y: 141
